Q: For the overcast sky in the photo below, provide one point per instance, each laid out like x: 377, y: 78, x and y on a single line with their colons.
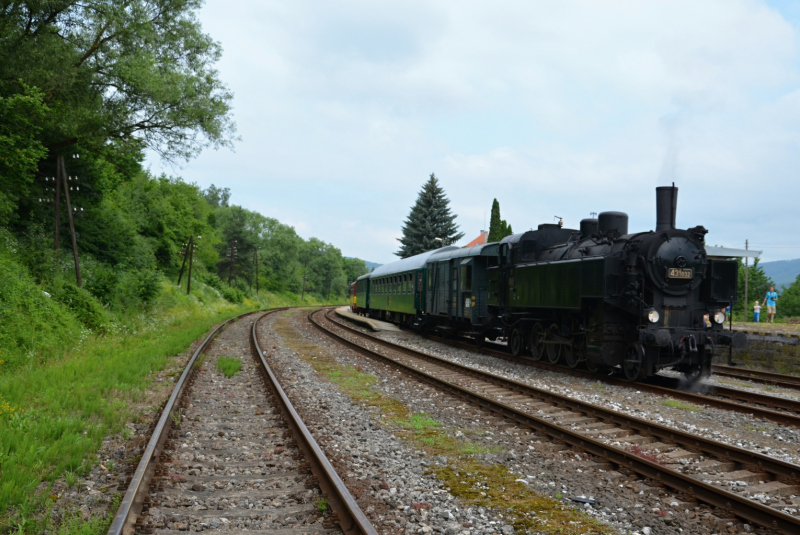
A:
x: 553, y: 107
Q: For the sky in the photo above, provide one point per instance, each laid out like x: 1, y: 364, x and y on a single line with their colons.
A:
x: 555, y: 108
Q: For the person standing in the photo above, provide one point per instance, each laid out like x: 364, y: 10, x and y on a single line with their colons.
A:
x: 756, y: 312
x: 771, y: 301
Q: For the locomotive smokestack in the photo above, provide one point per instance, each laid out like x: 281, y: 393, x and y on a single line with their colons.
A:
x: 666, y: 206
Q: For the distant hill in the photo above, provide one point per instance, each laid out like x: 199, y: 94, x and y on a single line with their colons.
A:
x: 375, y: 265
x: 370, y: 265
x: 783, y: 272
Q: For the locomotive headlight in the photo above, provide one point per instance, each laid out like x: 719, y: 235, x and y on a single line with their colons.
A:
x: 653, y: 316
x: 719, y: 317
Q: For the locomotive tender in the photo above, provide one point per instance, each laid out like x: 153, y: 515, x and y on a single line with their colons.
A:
x: 596, y: 296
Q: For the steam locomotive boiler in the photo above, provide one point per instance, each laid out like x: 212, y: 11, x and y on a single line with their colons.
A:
x: 602, y: 297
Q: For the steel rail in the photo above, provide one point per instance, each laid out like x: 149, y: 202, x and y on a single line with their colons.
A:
x: 758, y: 376
x: 351, y: 519
x: 781, y: 470
x: 728, y: 501
x: 131, y: 505
x: 786, y: 418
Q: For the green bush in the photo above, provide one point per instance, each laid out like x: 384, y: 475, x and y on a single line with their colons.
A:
x: 83, y: 305
x: 33, y: 325
x: 234, y: 295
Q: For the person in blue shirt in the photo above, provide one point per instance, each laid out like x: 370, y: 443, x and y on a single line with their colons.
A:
x: 770, y: 300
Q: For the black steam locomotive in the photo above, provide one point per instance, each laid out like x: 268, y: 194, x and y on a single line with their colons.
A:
x: 597, y: 296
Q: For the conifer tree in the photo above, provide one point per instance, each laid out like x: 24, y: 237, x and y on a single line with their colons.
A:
x: 495, y: 225
x: 498, y: 228
x: 430, y: 218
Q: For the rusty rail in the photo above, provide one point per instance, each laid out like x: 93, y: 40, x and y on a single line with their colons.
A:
x: 351, y: 519
x: 785, y: 418
x: 758, y: 376
x: 727, y: 501
x: 131, y: 505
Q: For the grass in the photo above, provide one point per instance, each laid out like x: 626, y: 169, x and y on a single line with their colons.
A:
x: 600, y: 387
x: 476, y: 482
x: 683, y: 405
x: 64, y: 410
x: 229, y: 366
x: 322, y: 505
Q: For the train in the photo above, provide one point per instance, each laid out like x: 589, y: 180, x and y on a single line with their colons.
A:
x: 597, y: 297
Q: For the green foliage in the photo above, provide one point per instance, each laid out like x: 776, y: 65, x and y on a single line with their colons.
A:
x: 498, y: 228
x: 757, y: 287
x: 229, y: 366
x: 139, y: 73
x: 20, y: 150
x: 34, y: 326
x: 83, y: 306
x: 789, y: 301
x: 430, y: 218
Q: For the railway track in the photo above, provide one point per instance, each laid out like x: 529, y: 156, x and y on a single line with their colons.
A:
x: 231, y: 454
x: 780, y: 410
x: 774, y: 379
x: 699, y: 468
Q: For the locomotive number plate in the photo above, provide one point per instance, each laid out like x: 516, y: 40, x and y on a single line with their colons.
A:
x: 680, y: 273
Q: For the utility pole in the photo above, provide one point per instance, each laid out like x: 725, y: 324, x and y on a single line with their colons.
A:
x: 232, y: 266
x: 746, y: 279
x: 330, y: 283
x: 58, y: 205
x: 255, y: 270
x: 185, y: 254
x: 63, y: 171
x: 191, y: 260
x: 303, y: 294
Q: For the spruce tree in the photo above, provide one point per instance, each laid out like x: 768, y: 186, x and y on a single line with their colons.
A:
x: 430, y: 218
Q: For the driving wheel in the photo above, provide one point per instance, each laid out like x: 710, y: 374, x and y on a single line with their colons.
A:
x: 515, y: 342
x: 553, y: 350
x: 633, y: 365
x: 537, y: 341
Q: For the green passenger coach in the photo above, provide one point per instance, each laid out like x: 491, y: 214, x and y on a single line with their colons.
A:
x: 397, y: 291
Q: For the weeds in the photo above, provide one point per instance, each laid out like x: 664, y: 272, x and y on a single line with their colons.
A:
x: 683, y: 405
x: 475, y: 482
x: 322, y: 505
x: 176, y: 417
x: 71, y: 478
x: 229, y: 366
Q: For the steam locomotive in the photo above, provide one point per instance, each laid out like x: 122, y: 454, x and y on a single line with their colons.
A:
x: 596, y: 296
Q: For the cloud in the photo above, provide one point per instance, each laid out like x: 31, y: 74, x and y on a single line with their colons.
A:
x: 561, y: 107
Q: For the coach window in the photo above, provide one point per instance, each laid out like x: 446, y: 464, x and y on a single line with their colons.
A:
x: 466, y: 278
x: 455, y: 279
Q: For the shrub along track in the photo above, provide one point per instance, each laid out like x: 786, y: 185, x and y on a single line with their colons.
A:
x: 624, y: 441
x: 228, y: 454
x: 780, y: 410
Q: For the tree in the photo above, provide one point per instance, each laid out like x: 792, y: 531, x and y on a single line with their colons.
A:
x: 789, y: 300
x: 217, y: 197
x: 430, y: 218
x: 757, y: 286
x: 20, y: 151
x: 498, y: 228
x: 128, y: 72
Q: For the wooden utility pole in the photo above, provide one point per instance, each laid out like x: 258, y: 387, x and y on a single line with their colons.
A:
x: 58, y: 206
x: 63, y: 170
x: 232, y: 267
x: 191, y: 260
x: 303, y: 294
x: 185, y: 254
x: 746, y: 279
x: 255, y: 254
